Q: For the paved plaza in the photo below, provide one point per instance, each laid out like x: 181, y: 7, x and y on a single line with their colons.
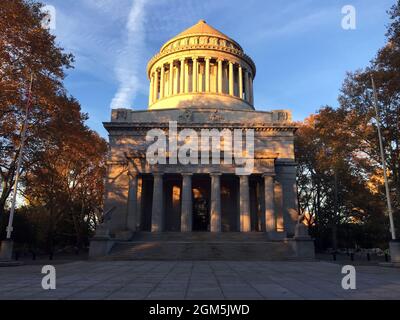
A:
x: 203, y: 280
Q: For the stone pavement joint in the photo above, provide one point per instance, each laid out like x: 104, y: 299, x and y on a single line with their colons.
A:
x: 198, y: 280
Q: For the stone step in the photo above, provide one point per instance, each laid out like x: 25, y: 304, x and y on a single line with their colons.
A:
x: 200, y: 236
x: 242, y: 250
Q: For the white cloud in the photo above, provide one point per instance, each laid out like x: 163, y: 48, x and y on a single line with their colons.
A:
x: 130, y: 58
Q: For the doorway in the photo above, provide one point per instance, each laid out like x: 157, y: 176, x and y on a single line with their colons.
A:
x: 201, y: 203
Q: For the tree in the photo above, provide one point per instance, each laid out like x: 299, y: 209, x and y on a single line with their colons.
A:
x: 356, y: 101
x: 67, y: 178
x: 25, y: 49
x: 340, y: 172
x: 63, y: 164
x: 333, y: 191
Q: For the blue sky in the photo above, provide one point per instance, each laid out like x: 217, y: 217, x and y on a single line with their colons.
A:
x: 299, y: 47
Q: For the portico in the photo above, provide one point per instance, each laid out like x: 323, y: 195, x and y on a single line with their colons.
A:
x: 176, y: 197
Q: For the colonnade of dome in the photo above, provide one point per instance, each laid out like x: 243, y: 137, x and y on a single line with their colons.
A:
x: 201, y: 67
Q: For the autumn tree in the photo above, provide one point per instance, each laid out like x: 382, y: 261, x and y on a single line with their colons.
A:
x: 63, y: 163
x: 66, y: 181
x: 26, y: 49
x: 356, y: 100
x: 340, y: 172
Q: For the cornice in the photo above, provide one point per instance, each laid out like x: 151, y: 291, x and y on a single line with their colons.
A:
x: 126, y: 126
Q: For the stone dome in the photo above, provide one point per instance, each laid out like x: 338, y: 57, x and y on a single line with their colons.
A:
x: 201, y: 67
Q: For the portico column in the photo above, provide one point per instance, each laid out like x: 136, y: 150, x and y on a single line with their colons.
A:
x: 187, y: 206
x: 162, y: 86
x: 155, y: 87
x: 132, y: 202
x: 246, y: 82
x: 207, y: 74
x: 182, y: 77
x: 245, y: 225
x: 219, y: 76
x: 215, y: 202
x: 240, y: 82
x: 171, y: 79
x: 270, y: 219
x: 157, y: 213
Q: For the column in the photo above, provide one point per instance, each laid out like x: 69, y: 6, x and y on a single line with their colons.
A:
x: 200, y: 76
x: 132, y: 202
x: 157, y: 214
x: 139, y: 204
x: 171, y: 79
x: 207, y: 74
x: 246, y: 82
x: 187, y: 206
x: 240, y: 82
x: 151, y: 89
x: 215, y: 202
x: 245, y: 225
x: 269, y: 196
x: 182, y: 77
x: 186, y: 77
x: 162, y: 86
x: 220, y: 76
x: 251, y: 89
x: 155, y: 87
x: 280, y: 226
x: 231, y: 80
x: 195, y: 69
x: 287, y: 178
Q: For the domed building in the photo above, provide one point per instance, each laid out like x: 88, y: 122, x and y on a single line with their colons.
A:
x: 201, y: 67
x: 202, y: 206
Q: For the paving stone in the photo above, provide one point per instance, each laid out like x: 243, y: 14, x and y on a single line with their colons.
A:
x: 240, y: 280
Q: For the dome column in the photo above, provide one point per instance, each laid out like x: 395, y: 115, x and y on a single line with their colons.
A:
x: 219, y: 76
x: 240, y: 82
x: 207, y: 89
x: 155, y: 86
x: 162, y: 84
x: 186, y: 77
x: 251, y: 89
x: 182, y: 77
x: 171, y: 79
x: 195, y: 75
x: 231, y: 79
x: 151, y: 92
x: 247, y: 85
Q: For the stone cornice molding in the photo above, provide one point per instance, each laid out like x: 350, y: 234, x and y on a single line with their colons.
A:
x: 126, y: 126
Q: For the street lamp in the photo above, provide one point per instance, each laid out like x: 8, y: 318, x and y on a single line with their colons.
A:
x: 394, y: 245
x: 7, y: 245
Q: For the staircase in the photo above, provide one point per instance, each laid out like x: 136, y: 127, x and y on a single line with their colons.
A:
x: 233, y: 246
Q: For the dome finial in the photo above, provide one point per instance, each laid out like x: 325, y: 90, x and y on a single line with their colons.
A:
x: 202, y: 21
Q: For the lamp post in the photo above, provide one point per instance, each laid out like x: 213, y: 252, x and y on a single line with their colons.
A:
x: 394, y: 244
x: 7, y: 245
